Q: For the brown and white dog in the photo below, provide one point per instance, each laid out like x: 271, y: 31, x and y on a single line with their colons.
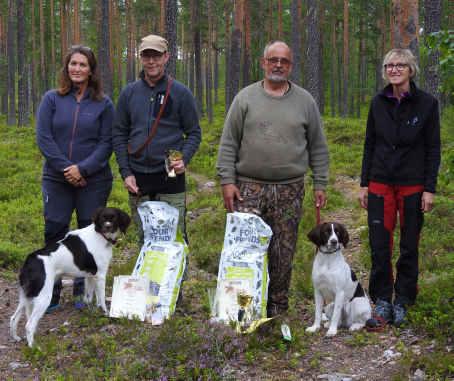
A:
x: 335, y: 284
x: 82, y: 253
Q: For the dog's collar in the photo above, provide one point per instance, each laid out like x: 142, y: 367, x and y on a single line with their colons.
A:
x: 329, y: 251
x: 110, y: 240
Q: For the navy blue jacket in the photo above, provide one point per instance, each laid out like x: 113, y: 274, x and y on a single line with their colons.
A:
x: 402, y: 145
x: 69, y: 132
x: 137, y: 108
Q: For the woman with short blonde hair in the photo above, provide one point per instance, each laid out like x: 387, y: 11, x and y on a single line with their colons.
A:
x: 399, y: 176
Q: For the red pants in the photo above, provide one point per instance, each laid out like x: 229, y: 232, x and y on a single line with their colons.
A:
x: 384, y: 202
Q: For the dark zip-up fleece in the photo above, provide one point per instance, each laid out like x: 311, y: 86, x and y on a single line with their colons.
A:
x: 402, y: 145
x: 69, y: 132
x: 137, y: 108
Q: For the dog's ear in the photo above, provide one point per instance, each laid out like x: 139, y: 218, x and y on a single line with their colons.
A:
x: 123, y: 220
x: 96, y: 214
x: 315, y: 235
x: 343, y: 234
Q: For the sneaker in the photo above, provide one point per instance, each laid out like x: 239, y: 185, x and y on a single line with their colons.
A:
x: 52, y: 307
x: 382, y: 315
x: 400, y: 313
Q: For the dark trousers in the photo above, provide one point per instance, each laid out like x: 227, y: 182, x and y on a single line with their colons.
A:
x: 384, y: 203
x: 280, y: 206
x: 60, y: 200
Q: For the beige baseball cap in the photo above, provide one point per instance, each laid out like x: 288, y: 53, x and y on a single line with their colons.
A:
x: 154, y: 42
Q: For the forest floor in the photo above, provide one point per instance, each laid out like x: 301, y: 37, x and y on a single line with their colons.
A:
x: 347, y: 356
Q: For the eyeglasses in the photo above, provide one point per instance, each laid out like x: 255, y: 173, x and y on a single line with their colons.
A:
x: 151, y: 54
x: 398, y: 66
x: 278, y: 60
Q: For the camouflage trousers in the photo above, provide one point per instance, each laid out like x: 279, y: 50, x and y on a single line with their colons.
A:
x: 280, y: 206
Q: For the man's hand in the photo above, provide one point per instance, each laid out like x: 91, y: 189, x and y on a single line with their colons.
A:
x: 362, y: 197
x: 73, y: 176
x: 427, y: 202
x: 178, y: 166
x: 320, y: 198
x: 131, y: 185
x: 230, y: 192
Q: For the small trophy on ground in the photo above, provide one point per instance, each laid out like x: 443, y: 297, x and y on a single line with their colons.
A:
x: 244, y: 312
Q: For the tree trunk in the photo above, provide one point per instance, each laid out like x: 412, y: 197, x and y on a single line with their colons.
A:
x: 313, y: 51
x: 171, y: 35
x: 346, y: 62
x: 34, y: 75
x: 130, y: 54
x: 197, y: 54
x: 247, y: 44
x: 63, y: 28
x: 432, y: 23
x: 23, y: 115
x: 76, y: 22
x: 209, y: 64
x: 52, y: 41
x: 227, y: 39
x: 216, y: 61
x: 405, y: 24
x: 3, y: 65
x: 270, y: 32
x: 235, y: 49
x: 42, y: 43
x: 11, y: 54
x: 104, y: 51
x: 333, y: 60
x: 279, y: 20
x: 296, y: 40
x: 162, y: 17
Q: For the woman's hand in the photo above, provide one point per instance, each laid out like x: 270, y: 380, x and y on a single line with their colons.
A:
x: 362, y: 196
x: 427, y: 202
x: 73, y: 176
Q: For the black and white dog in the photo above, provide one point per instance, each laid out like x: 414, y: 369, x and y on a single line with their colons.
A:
x: 82, y: 253
x: 335, y: 284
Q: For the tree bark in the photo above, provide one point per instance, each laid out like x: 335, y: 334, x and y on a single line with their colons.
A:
x: 171, y: 23
x: 405, y: 24
x: 235, y: 50
x: 23, y: 114
x: 52, y: 41
x: 279, y: 20
x: 227, y: 39
x: 162, y: 17
x: 313, y: 51
x: 3, y: 65
x: 432, y: 23
x: 104, y: 51
x: 42, y: 31
x: 333, y: 60
x: 197, y: 54
x: 11, y: 54
x: 247, y: 45
x: 76, y: 22
x: 209, y: 64
x: 346, y: 62
x: 296, y: 40
x: 130, y: 54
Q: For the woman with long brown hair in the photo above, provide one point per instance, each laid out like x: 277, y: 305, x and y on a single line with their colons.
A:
x: 74, y: 135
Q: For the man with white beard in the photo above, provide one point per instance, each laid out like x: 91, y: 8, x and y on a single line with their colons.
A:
x: 272, y: 135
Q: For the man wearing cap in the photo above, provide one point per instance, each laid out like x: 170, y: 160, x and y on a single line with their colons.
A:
x: 155, y: 114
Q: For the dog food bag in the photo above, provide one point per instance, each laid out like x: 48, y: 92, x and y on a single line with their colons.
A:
x: 242, y: 289
x: 130, y: 297
x: 162, y: 259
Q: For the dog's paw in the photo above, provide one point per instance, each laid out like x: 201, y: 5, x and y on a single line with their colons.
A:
x: 326, y: 324
x: 312, y: 328
x: 16, y: 338
x: 331, y: 332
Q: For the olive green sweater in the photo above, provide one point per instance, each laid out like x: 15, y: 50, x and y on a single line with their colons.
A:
x: 269, y: 139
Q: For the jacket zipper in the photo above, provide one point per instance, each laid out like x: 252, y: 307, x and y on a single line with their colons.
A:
x: 76, y: 114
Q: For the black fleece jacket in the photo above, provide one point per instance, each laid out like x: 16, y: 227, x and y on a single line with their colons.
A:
x: 402, y: 145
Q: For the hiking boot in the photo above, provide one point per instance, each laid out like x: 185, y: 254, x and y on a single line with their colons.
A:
x: 400, y: 313
x: 382, y: 315
x: 52, y: 307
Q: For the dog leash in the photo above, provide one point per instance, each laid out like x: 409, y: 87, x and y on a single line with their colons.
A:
x: 317, y: 215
